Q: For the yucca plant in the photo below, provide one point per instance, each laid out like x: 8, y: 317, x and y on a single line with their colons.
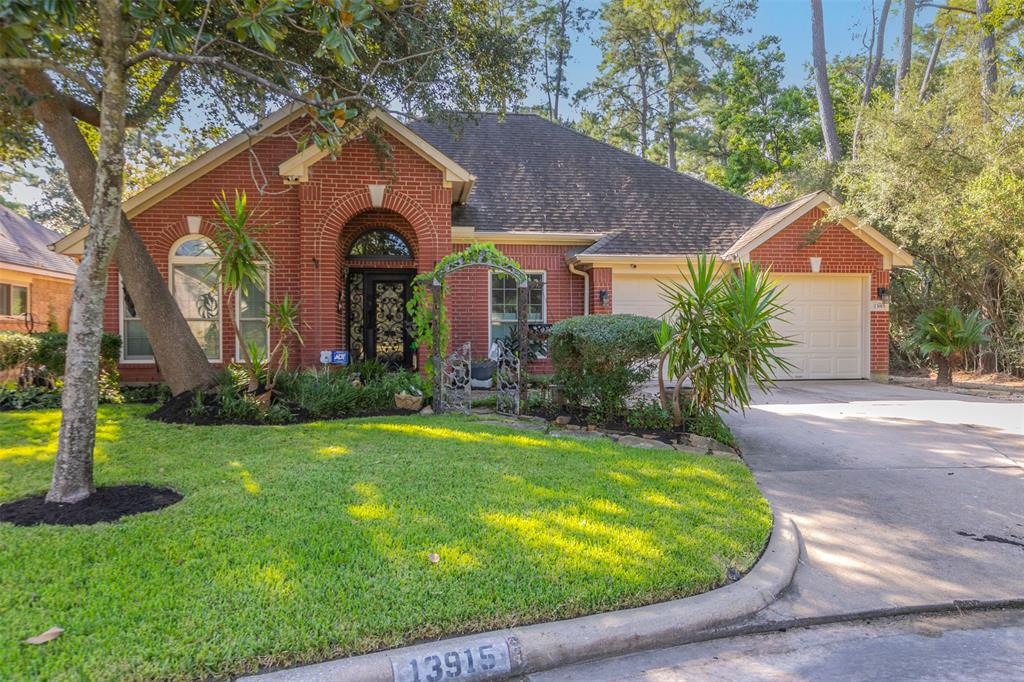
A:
x: 241, y: 265
x: 944, y: 333
x: 719, y: 334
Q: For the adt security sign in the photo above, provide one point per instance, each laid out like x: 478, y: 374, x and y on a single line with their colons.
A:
x: 334, y: 357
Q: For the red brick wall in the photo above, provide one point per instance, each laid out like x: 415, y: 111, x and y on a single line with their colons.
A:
x: 841, y: 251
x: 305, y: 227
x: 47, y: 297
x: 469, y: 307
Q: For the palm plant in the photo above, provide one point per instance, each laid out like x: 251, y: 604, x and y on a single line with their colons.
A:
x: 944, y: 333
x: 241, y: 265
x: 719, y: 335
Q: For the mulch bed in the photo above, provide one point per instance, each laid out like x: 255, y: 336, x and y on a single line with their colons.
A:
x: 104, y: 506
x: 178, y: 410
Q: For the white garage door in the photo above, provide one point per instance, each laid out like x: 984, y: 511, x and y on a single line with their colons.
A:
x: 826, y: 321
x: 638, y: 295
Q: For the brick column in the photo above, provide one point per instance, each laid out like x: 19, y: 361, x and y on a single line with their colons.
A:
x: 600, y: 280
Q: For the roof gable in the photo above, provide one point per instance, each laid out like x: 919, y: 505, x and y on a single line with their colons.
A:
x: 24, y: 245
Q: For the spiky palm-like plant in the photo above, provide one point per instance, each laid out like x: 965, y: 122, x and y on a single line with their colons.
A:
x: 944, y: 333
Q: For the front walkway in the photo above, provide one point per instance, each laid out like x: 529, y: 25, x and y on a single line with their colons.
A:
x: 902, y: 496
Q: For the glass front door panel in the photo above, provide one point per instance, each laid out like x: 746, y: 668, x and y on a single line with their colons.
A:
x: 389, y: 320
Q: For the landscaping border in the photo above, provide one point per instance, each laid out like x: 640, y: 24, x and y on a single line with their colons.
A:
x: 545, y: 646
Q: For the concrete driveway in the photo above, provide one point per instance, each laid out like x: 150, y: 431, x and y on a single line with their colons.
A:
x: 902, y: 496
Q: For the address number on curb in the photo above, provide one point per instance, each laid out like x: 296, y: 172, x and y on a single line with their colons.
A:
x: 480, y: 659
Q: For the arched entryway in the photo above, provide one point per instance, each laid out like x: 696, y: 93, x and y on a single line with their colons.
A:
x: 377, y: 250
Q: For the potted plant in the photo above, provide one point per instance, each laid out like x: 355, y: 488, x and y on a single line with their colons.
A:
x: 409, y: 398
x: 482, y: 373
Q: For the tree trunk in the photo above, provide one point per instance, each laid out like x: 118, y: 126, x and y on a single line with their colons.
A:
x: 932, y: 59
x: 826, y: 112
x: 944, y: 370
x: 986, y: 56
x: 181, y: 359
x: 72, y: 471
x: 906, y: 45
x: 871, y: 73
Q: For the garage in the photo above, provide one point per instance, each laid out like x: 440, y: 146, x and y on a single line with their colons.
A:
x: 826, y: 320
x: 639, y: 294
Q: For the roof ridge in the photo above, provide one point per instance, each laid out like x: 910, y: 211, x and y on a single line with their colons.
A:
x: 666, y: 169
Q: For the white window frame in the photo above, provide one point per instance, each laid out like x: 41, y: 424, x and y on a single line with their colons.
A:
x: 238, y: 314
x: 173, y: 260
x: 10, y: 302
x: 490, y: 303
x: 135, y: 360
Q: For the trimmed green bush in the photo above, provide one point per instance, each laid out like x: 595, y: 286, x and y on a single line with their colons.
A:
x: 17, y: 349
x: 600, y: 360
x: 53, y: 348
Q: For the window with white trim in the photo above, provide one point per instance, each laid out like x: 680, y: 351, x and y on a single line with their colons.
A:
x: 13, y: 300
x: 504, y: 303
x: 134, y: 342
x: 196, y: 289
x: 251, y: 313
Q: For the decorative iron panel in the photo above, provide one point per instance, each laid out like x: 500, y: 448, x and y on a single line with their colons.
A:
x: 356, y: 323
x: 389, y: 322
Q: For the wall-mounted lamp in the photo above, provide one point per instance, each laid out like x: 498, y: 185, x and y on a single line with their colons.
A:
x: 815, y: 263
x: 883, y: 293
x: 602, y: 296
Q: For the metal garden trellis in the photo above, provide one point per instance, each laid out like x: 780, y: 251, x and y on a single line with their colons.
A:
x: 487, y: 258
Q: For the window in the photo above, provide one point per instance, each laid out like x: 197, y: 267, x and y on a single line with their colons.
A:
x: 251, y: 313
x: 196, y: 290
x: 134, y: 342
x: 380, y: 244
x: 504, y: 303
x: 13, y: 300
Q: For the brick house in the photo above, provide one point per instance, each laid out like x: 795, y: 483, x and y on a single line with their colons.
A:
x: 35, y: 283
x: 595, y: 227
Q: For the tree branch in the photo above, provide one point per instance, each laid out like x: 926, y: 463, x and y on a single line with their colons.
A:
x: 948, y: 7
x: 21, y: 63
x: 143, y: 113
x: 222, y: 63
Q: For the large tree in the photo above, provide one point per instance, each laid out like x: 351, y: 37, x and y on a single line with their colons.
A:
x: 76, y: 72
x: 553, y: 23
x: 826, y: 111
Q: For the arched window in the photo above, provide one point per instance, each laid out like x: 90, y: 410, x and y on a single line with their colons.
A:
x: 380, y: 244
x: 195, y: 288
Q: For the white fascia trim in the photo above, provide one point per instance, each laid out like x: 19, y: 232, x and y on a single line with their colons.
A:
x: 40, y: 272
x: 296, y: 168
x: 893, y: 254
x: 607, y: 258
x: 462, y: 233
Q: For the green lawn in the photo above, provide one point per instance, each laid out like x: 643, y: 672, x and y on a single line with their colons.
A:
x: 300, y: 543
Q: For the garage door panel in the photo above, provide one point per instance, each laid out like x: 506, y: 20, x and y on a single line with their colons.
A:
x: 826, y: 325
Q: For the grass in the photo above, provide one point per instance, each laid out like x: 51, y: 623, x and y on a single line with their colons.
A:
x: 300, y: 543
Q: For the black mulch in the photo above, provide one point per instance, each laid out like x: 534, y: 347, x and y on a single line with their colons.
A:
x: 105, y: 505
x: 179, y: 410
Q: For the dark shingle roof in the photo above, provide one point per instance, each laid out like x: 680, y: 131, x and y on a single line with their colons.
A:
x: 533, y: 174
x: 24, y: 242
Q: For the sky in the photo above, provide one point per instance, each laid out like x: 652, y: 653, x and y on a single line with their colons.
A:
x: 790, y: 20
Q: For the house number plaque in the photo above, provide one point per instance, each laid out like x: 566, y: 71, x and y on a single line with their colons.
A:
x: 484, y: 658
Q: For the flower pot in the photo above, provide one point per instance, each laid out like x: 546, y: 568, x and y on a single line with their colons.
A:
x: 405, y: 401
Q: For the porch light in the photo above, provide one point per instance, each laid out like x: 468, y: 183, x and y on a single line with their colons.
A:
x: 376, y: 195
x: 815, y: 263
x: 602, y: 296
x: 883, y: 293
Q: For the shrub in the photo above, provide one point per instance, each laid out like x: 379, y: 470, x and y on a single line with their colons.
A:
x: 600, y: 360
x: 146, y: 393
x: 17, y: 349
x: 28, y: 398
x: 648, y: 415
x: 52, y: 349
x: 338, y: 392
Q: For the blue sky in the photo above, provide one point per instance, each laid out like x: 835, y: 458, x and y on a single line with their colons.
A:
x: 790, y: 20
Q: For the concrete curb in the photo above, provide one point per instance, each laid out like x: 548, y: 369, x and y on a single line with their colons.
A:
x: 533, y: 648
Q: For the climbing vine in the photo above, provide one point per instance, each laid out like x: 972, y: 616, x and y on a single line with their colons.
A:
x: 421, y: 303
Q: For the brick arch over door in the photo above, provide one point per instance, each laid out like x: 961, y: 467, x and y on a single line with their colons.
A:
x: 321, y: 280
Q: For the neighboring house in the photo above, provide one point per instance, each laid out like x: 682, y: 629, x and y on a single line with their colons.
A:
x: 35, y: 283
x: 596, y: 226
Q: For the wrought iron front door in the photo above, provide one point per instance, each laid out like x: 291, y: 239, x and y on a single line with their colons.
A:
x: 377, y: 319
